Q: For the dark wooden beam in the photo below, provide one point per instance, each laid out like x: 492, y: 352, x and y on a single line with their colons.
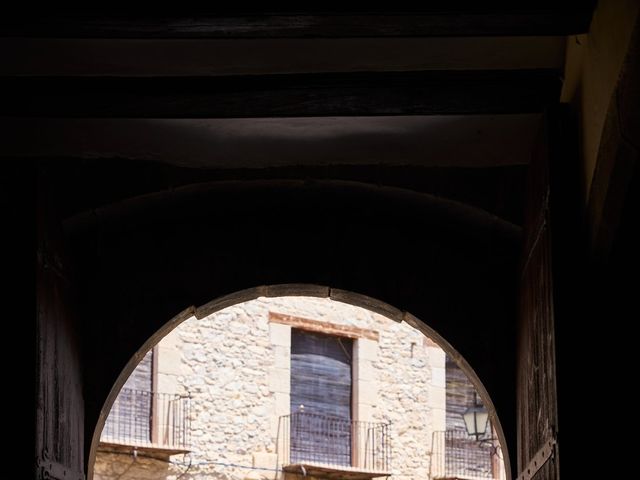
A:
x: 303, y: 95
x: 447, y: 20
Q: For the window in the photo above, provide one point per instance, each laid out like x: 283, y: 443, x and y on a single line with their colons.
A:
x: 130, y: 416
x: 142, y: 416
x: 321, y: 385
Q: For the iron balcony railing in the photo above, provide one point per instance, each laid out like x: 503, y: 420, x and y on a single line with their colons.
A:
x: 313, y: 439
x: 141, y: 418
x: 455, y: 454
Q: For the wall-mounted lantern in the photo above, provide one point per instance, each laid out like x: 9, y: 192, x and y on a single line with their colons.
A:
x: 476, y: 418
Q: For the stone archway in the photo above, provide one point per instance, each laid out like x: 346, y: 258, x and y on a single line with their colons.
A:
x: 348, y: 297
x: 142, y: 261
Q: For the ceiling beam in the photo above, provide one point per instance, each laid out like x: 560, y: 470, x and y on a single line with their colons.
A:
x: 447, y: 20
x: 214, y: 57
x: 299, y: 95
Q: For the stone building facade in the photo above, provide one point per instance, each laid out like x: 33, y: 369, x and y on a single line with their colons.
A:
x: 235, y: 368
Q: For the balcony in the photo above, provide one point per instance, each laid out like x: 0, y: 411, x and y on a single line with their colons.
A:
x: 457, y: 456
x: 333, y: 448
x: 154, y: 422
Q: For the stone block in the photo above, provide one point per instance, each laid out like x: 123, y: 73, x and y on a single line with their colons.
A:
x: 258, y: 475
x: 282, y: 357
x: 438, y: 419
x: 168, y: 360
x: 438, y: 377
x: 366, y: 349
x: 279, y: 380
x: 437, y: 357
x: 171, y: 340
x: 274, y: 426
x: 364, y: 412
x: 282, y: 404
x: 265, y: 460
x: 166, y: 383
x: 437, y: 398
x: 366, y: 392
x: 364, y: 371
x: 280, y: 334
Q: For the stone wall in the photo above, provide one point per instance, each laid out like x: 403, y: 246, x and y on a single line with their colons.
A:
x: 114, y: 463
x: 235, y: 365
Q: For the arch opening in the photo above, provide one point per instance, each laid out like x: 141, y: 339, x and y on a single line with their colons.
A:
x: 296, y: 318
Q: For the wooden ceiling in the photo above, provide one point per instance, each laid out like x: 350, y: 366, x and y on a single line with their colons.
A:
x: 453, y: 86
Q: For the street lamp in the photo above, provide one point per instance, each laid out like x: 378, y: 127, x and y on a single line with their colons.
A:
x: 476, y: 418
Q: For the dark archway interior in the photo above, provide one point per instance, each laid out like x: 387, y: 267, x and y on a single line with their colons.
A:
x: 176, y: 159
x: 143, y: 260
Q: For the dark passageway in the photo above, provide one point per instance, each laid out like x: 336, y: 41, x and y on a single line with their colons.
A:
x: 467, y: 165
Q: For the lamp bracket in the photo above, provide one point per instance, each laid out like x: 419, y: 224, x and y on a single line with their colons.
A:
x: 547, y: 451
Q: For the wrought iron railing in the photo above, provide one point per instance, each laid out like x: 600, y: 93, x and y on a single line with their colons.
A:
x: 455, y: 454
x: 308, y: 438
x: 142, y: 418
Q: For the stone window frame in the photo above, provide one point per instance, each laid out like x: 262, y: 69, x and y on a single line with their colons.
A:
x: 365, y: 351
x: 166, y: 368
